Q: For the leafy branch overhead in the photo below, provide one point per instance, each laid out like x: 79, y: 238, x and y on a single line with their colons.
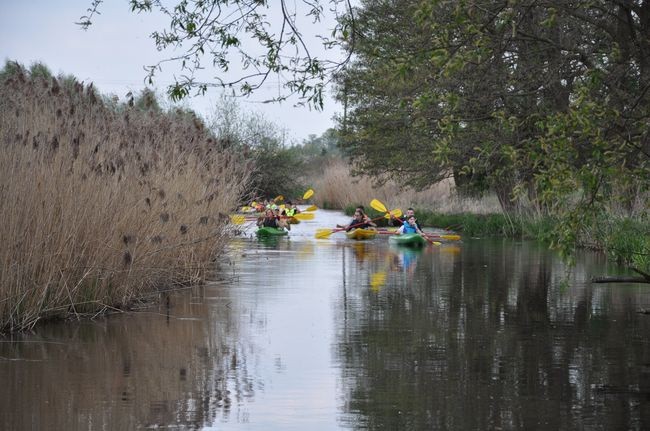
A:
x: 243, y: 45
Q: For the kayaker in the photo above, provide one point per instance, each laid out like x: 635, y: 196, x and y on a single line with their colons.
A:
x: 283, y: 221
x: 401, y: 221
x: 290, y: 209
x: 270, y: 219
x: 360, y: 220
x: 410, y: 226
x: 269, y: 204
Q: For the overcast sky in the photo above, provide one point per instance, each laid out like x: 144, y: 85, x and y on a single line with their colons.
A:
x: 114, y: 50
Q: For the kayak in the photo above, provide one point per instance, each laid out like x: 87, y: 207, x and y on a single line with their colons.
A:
x: 271, y: 231
x: 408, y: 240
x: 361, y: 234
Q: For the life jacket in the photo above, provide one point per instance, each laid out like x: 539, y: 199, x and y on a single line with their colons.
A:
x: 270, y: 222
x: 290, y: 212
x: 409, y: 229
x: 405, y: 222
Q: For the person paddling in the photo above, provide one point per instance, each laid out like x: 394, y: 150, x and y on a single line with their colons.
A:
x: 290, y: 210
x: 360, y: 220
x: 410, y: 226
x: 272, y: 220
x: 401, y: 221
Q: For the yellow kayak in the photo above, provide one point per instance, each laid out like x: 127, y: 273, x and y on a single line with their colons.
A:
x: 361, y: 234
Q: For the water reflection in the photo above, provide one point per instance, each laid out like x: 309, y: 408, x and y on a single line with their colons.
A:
x: 166, y: 366
x: 491, y: 331
x: 321, y: 335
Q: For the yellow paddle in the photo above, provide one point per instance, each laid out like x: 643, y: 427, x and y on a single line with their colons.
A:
x: 304, y: 216
x: 311, y: 208
x: 377, y: 205
x: 377, y: 280
x: 240, y: 219
x: 431, y: 241
x: 397, y: 213
x: 237, y: 219
x: 309, y: 193
x: 445, y: 236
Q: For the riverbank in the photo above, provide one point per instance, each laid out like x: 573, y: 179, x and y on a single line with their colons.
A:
x: 102, y: 201
x: 623, y: 239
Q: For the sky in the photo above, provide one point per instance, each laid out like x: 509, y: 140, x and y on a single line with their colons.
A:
x: 112, y: 53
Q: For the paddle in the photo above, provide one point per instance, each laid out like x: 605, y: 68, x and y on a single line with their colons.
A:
x: 448, y: 237
x: 311, y: 208
x: 431, y: 241
x: 303, y: 216
x: 237, y: 219
x: 377, y: 280
x: 377, y: 205
x: 309, y: 193
x: 325, y: 233
x: 240, y: 219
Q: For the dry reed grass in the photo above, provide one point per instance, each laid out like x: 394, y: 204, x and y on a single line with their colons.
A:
x: 101, y: 203
x: 337, y: 188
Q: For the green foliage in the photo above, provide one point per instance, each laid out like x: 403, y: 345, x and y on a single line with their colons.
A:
x: 10, y: 69
x: 484, y: 94
x: 39, y: 70
x: 278, y: 169
x: 628, y: 241
x: 472, y: 224
x: 209, y: 34
x: 36, y: 70
x: 147, y: 101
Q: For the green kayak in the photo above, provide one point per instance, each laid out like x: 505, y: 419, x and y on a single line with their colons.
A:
x: 408, y: 240
x: 270, y: 231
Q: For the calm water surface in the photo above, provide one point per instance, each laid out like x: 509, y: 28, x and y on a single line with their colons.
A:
x: 308, y: 334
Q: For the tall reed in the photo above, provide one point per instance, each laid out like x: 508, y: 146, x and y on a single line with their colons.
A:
x: 337, y: 188
x: 102, y: 202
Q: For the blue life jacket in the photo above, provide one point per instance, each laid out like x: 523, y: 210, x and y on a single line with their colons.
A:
x: 409, y: 229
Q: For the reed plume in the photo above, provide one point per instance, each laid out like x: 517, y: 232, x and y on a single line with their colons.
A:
x: 88, y: 222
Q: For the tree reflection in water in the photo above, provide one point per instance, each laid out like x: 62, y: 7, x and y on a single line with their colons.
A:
x: 478, y: 335
x: 129, y: 371
x: 487, y: 337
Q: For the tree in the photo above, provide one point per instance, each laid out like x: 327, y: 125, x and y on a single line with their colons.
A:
x: 277, y: 168
x: 545, y: 100
x: 260, y: 39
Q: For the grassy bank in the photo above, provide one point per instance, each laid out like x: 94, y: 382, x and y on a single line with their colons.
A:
x: 102, y: 202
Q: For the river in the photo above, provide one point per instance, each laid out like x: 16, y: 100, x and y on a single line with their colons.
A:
x: 307, y: 334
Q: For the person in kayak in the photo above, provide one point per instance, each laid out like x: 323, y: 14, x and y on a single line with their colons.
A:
x: 401, y: 221
x: 290, y: 209
x: 270, y: 219
x: 410, y: 226
x: 360, y: 220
